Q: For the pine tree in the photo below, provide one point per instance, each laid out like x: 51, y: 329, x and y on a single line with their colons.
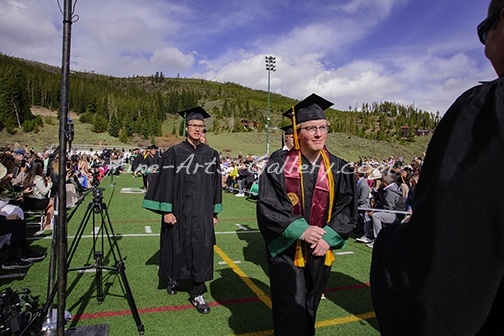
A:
x: 114, y: 127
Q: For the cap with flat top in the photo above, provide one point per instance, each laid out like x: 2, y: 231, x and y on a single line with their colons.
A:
x: 195, y: 113
x: 287, y: 129
x: 310, y: 108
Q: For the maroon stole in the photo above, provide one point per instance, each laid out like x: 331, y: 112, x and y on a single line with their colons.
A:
x: 320, y: 198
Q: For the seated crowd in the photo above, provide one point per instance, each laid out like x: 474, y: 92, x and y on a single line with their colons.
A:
x: 29, y: 182
x: 385, y: 189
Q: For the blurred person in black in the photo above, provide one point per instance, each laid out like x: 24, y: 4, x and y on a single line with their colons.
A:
x: 151, y: 160
x: 442, y: 273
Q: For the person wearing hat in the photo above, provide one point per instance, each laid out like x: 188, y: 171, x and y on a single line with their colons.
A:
x: 19, y: 155
x: 186, y: 191
x: 287, y: 142
x: 306, y: 208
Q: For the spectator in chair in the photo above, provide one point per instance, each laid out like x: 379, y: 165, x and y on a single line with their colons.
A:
x: 37, y: 192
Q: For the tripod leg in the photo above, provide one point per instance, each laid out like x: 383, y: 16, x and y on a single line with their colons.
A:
x: 131, y: 301
x: 120, y: 268
x: 99, y: 277
x: 78, y: 235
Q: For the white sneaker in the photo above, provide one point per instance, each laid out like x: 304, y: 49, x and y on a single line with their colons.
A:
x: 240, y: 195
x: 370, y: 244
x: 200, y: 304
x: 364, y: 240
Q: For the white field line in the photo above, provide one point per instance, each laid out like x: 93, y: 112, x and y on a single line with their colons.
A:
x: 147, y: 234
x: 12, y: 275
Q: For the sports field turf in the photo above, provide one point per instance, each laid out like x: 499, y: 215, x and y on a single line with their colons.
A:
x: 238, y: 295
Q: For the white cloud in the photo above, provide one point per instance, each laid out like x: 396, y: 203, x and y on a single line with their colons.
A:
x: 320, y: 46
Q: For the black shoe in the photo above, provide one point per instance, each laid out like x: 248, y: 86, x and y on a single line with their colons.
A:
x: 15, y: 264
x: 33, y: 257
x: 200, y: 304
x: 172, y: 288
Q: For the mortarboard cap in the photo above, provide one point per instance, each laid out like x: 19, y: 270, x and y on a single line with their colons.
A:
x: 195, y: 113
x: 310, y: 108
x: 287, y: 129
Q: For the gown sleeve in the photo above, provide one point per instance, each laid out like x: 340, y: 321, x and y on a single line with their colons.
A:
x: 159, y: 196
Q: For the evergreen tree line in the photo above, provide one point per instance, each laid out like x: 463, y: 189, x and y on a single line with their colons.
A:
x: 139, y: 105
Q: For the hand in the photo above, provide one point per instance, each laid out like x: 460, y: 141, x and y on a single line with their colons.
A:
x: 215, y: 220
x: 170, y: 218
x: 313, y: 234
x: 320, y: 248
x: 11, y: 217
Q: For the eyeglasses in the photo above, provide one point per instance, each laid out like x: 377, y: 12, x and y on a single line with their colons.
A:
x: 195, y: 126
x: 314, y: 129
x: 485, y: 26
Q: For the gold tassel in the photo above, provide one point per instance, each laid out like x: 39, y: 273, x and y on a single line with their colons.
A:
x: 329, y: 258
x: 298, y: 257
x: 294, y: 130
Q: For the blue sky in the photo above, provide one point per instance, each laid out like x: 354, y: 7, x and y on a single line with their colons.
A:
x: 421, y: 52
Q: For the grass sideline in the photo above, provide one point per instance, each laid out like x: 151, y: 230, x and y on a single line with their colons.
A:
x: 239, y: 294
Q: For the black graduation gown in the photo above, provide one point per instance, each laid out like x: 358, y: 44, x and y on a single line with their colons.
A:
x: 276, y: 153
x: 442, y: 273
x: 188, y: 185
x: 296, y: 291
x: 137, y: 161
x: 151, y: 161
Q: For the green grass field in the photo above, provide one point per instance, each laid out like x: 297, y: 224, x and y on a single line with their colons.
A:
x: 238, y: 295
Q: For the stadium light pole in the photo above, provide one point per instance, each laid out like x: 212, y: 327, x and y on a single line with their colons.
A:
x: 270, y: 66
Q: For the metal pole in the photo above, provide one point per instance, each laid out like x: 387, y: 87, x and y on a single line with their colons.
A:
x: 61, y: 229
x: 270, y: 66
x: 268, y: 116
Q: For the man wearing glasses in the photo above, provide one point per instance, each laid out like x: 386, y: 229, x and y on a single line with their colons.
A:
x: 442, y: 273
x: 306, y: 208
x: 186, y: 191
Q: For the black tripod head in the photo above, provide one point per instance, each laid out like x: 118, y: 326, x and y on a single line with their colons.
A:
x: 98, y: 195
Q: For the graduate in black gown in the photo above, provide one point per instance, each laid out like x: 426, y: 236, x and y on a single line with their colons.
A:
x: 303, y: 217
x: 151, y: 160
x: 139, y: 166
x: 187, y: 192
x: 287, y: 142
x: 442, y: 273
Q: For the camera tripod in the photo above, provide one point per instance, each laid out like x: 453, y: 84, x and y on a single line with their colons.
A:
x: 98, y: 208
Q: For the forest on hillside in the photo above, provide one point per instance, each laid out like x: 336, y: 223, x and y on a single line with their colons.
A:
x: 139, y: 105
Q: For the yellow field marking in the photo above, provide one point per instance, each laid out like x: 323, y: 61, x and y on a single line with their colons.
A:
x: 258, y: 292
x: 346, y: 319
x: 322, y: 324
